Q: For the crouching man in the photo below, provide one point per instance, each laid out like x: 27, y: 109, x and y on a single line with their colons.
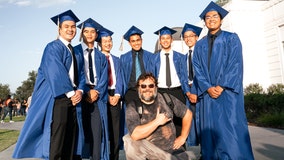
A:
x: 152, y: 133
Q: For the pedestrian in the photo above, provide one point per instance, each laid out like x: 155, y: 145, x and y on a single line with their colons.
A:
x: 53, y: 127
x: 94, y: 104
x: 190, y: 34
x: 8, y: 109
x: 218, y: 66
x: 104, y: 40
x: 151, y: 129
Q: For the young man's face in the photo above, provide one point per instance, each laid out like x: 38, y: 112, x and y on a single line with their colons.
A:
x: 166, y: 41
x: 147, y: 90
x: 135, y: 41
x: 106, y: 44
x: 213, y: 21
x: 67, y: 30
x: 190, y: 38
x: 89, y: 35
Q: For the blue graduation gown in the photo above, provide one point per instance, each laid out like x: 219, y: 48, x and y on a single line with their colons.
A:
x: 52, y: 81
x: 194, y: 134
x: 178, y: 59
x: 224, y: 130
x: 102, y: 84
x: 126, y: 66
x: 117, y: 69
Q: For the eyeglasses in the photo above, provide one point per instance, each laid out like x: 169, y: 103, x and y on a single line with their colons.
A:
x: 143, y: 86
x: 216, y: 16
x: 190, y: 36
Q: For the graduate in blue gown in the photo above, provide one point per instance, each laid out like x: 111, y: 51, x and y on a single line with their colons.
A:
x: 133, y: 64
x: 57, y: 91
x: 190, y: 34
x: 218, y: 67
x: 104, y: 40
x: 177, y: 76
x: 94, y: 103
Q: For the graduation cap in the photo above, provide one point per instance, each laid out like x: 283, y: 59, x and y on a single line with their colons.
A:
x: 131, y: 31
x: 165, y: 30
x: 65, y: 16
x: 103, y: 33
x: 190, y: 27
x: 89, y: 23
x: 214, y: 7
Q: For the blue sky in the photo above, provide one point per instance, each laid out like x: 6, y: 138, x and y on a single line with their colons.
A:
x: 25, y: 26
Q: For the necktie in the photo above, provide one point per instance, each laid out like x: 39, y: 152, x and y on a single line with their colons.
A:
x: 137, y: 66
x: 211, y: 41
x: 168, y: 71
x: 75, y: 79
x: 91, y: 72
x: 190, y: 70
x: 110, y: 80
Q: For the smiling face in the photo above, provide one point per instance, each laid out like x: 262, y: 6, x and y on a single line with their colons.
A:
x: 67, y: 30
x: 89, y: 35
x: 166, y: 41
x: 106, y: 44
x: 135, y: 41
x: 147, y: 90
x: 190, y: 38
x: 213, y: 21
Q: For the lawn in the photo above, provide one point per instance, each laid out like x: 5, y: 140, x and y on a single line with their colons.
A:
x: 8, y: 138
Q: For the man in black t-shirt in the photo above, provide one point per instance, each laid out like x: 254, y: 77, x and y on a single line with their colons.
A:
x: 152, y: 132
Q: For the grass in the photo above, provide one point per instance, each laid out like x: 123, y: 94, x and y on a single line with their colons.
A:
x: 16, y: 119
x: 8, y: 138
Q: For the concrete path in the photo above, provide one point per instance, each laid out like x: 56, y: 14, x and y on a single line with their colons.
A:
x: 267, y: 143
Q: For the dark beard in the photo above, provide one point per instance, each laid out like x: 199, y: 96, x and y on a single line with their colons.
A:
x: 150, y: 99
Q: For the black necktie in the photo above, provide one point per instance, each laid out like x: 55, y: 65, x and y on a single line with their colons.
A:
x: 168, y: 71
x: 76, y: 82
x: 211, y: 41
x: 190, y: 70
x: 91, y: 72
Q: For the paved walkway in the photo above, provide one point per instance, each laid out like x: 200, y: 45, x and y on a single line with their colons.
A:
x: 267, y: 143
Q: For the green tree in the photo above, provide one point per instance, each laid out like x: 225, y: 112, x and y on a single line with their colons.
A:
x: 254, y: 88
x: 26, y: 89
x: 275, y: 89
x: 4, y: 91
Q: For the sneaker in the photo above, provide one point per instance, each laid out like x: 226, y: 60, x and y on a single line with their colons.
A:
x: 11, y: 121
x: 2, y: 121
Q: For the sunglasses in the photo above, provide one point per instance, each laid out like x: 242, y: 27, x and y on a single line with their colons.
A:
x: 149, y: 86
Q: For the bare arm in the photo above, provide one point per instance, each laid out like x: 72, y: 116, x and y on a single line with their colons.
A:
x: 143, y: 131
x: 186, y: 124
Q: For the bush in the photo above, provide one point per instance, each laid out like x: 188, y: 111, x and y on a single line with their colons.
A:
x: 275, y: 120
x: 253, y: 89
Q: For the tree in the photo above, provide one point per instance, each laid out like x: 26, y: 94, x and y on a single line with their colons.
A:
x: 24, y: 91
x: 254, y: 88
x: 275, y: 89
x: 4, y: 91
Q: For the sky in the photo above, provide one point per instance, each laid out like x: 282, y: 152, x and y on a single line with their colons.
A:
x: 26, y: 28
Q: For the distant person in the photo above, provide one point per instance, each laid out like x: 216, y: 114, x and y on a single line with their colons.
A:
x: 53, y: 127
x: 94, y: 104
x: 190, y: 34
x: 169, y: 70
x: 23, y: 108
x: 104, y: 40
x: 9, y: 103
x: 152, y: 133
x: 218, y: 66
